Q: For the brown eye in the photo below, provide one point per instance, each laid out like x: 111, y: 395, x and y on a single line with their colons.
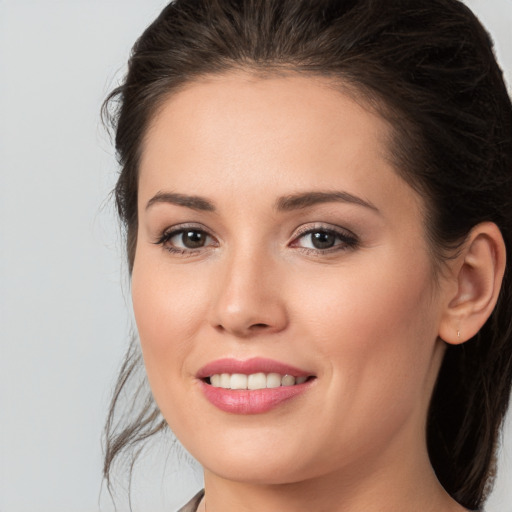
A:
x: 323, y: 239
x: 185, y: 240
x: 192, y: 239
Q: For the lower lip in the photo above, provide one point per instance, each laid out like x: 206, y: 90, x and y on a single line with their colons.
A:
x: 252, y: 401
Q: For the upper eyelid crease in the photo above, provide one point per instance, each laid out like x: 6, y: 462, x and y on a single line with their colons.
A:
x: 167, y: 235
x: 304, y: 230
x: 341, y: 233
x: 174, y: 230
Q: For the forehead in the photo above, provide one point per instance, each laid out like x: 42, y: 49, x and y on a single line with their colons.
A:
x: 266, y: 134
x: 291, y: 108
x: 239, y: 99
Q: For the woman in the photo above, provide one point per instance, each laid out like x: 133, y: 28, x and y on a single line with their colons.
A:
x: 317, y: 202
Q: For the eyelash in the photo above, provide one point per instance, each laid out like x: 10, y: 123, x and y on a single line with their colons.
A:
x: 171, y: 233
x: 345, y: 240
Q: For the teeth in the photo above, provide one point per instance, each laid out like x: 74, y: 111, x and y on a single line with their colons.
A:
x: 238, y: 381
x: 254, y: 381
x: 273, y: 380
x: 288, y: 380
x: 257, y: 381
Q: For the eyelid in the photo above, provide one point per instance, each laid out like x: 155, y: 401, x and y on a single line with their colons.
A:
x: 176, y: 229
x: 349, y: 239
x: 319, y: 226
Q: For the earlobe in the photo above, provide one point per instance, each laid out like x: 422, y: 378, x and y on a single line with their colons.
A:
x: 478, y: 273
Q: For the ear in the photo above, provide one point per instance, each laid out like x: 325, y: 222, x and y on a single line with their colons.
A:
x: 473, y: 284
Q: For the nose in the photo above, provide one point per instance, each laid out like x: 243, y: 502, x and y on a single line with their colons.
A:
x: 248, y: 298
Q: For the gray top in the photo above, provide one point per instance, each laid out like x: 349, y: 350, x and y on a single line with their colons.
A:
x: 192, y: 505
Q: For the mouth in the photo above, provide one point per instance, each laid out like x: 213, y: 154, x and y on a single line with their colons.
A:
x: 252, y: 386
x: 255, y: 381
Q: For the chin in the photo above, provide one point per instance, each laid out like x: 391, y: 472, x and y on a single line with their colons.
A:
x: 271, y: 460
x: 258, y: 470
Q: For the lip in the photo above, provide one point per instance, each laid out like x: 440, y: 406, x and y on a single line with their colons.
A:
x: 251, y: 401
x: 249, y: 366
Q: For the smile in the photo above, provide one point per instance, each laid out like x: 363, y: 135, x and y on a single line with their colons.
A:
x: 252, y: 386
x: 254, y: 381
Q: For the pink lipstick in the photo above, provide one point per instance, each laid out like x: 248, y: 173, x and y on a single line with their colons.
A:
x: 252, y: 386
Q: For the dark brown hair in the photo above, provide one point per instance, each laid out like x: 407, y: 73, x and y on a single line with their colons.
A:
x: 428, y: 67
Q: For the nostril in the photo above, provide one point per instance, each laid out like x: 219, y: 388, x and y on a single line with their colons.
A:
x: 257, y: 327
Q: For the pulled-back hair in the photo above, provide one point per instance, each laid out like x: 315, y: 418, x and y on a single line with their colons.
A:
x: 427, y: 66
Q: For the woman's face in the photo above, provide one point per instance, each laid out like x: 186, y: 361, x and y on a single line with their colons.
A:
x: 275, y: 238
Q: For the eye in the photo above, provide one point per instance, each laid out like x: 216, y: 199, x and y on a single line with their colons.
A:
x: 189, y: 239
x: 185, y: 240
x: 325, y: 239
x: 322, y: 239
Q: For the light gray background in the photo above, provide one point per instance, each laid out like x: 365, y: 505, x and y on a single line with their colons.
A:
x: 64, y: 300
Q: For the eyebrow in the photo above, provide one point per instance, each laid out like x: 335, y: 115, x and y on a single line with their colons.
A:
x: 291, y: 202
x: 193, y: 202
x: 306, y: 199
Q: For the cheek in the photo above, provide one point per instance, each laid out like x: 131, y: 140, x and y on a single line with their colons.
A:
x: 166, y: 306
x: 383, y: 299
x: 375, y: 328
x: 374, y: 336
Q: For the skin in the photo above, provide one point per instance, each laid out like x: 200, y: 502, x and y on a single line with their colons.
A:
x: 364, y: 318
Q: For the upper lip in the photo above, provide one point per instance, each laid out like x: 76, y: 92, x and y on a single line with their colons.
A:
x: 248, y: 367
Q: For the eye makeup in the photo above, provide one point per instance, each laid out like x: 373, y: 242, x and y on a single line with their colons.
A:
x: 190, y: 239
